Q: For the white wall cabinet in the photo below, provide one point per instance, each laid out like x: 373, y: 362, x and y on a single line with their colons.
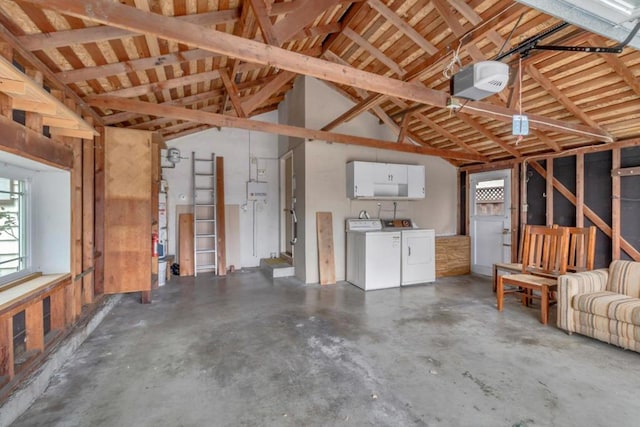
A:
x: 371, y: 180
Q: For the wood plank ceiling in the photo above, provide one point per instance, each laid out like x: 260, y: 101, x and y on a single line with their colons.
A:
x: 235, y: 58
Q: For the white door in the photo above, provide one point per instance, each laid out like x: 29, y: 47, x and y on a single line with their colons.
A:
x: 489, y: 220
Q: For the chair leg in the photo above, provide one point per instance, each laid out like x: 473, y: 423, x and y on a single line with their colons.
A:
x: 495, y: 278
x: 544, y: 304
x: 500, y: 293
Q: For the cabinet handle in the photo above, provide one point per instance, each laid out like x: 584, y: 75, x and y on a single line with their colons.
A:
x: 356, y: 189
x: 409, y: 247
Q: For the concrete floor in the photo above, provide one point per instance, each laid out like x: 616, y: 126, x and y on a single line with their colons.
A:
x: 246, y: 350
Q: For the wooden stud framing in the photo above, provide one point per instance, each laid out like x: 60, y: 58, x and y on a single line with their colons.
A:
x: 34, y: 327
x: 579, y: 190
x: 615, y: 206
x: 590, y: 214
x: 6, y: 346
x: 515, y: 212
x: 88, y: 168
x: 549, y: 193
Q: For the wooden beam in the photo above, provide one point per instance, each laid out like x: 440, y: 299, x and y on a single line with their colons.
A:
x: 616, y: 223
x: 617, y: 65
x: 237, y: 122
x: 233, y: 93
x: 448, y: 17
x: 264, y: 22
x: 130, y: 18
x: 484, y: 131
x: 356, y: 110
x: 48, y: 75
x: 373, y: 51
x: 403, y: 26
x: 404, y: 124
x: 24, y: 142
x: 41, y: 41
x: 467, y: 11
x: 590, y: 214
x: 563, y: 99
x: 451, y: 137
x: 304, y: 15
x: 549, y: 193
x: 255, y: 100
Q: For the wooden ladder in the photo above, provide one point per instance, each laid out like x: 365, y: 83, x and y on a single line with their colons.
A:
x: 205, y: 248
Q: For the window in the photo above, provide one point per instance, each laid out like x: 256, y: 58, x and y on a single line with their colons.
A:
x: 489, y: 198
x: 14, y: 261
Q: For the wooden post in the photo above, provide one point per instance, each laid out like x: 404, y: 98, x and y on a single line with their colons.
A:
x: 326, y: 258
x: 6, y: 346
x: 220, y: 218
x: 76, y: 225
x: 186, y: 244
x: 99, y: 194
x: 57, y: 309
x: 34, y: 120
x: 549, y: 192
x: 580, y: 190
x: 34, y: 327
x: 615, y: 206
x: 6, y: 51
x: 524, y: 209
x: 87, y: 218
x: 515, y: 211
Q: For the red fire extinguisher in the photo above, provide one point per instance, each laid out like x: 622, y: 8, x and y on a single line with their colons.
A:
x: 154, y: 244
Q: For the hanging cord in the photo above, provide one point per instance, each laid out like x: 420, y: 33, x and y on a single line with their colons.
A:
x: 455, y: 59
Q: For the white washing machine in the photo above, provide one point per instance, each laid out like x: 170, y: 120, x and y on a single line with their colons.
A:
x: 418, y: 263
x: 373, y: 255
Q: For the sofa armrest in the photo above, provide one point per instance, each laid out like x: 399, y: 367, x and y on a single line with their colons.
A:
x: 570, y: 285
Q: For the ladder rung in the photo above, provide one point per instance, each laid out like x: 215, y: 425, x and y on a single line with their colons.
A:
x: 203, y: 160
x: 202, y: 267
x: 205, y: 235
x: 205, y: 188
x: 205, y: 204
x: 204, y: 220
x: 205, y: 251
x: 205, y: 174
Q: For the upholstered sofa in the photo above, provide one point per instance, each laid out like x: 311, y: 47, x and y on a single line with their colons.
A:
x: 603, y: 304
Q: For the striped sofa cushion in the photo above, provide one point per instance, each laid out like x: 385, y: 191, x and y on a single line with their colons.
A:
x: 624, y: 278
x: 609, y: 305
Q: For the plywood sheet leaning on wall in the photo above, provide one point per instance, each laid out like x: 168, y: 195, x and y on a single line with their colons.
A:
x: 127, y: 207
x: 453, y: 255
x: 186, y: 251
x: 326, y: 258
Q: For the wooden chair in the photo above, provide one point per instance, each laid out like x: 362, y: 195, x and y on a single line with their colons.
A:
x: 582, y: 248
x: 509, y: 267
x: 545, y: 257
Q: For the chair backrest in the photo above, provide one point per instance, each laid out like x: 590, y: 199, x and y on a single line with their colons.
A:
x: 545, y: 250
x: 582, y: 248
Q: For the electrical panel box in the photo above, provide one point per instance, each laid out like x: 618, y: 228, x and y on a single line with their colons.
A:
x: 257, y: 190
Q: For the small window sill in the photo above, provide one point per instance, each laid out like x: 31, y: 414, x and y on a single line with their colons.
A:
x: 31, y: 287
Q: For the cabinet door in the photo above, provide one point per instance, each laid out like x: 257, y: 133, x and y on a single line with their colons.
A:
x: 415, y: 181
x: 360, y: 179
x: 397, y: 173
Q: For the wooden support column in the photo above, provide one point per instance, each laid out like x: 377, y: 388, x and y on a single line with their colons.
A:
x: 615, y: 206
x: 524, y: 207
x: 515, y: 211
x: 468, y: 201
x: 580, y: 190
x: 6, y: 51
x: 87, y: 219
x: 220, y: 218
x: 76, y: 225
x: 57, y: 310
x: 34, y: 327
x: 549, y: 192
x: 99, y: 193
x: 6, y: 346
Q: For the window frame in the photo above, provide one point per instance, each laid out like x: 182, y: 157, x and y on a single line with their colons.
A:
x: 26, y: 231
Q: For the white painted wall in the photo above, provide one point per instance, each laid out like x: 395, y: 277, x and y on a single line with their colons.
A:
x: 238, y: 147
x: 50, y: 211
x: 52, y: 224
x: 325, y: 178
